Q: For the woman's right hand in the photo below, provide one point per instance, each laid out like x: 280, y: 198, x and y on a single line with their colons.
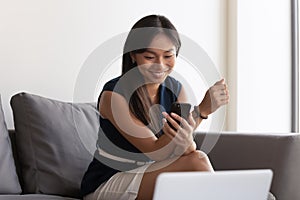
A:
x: 183, y: 135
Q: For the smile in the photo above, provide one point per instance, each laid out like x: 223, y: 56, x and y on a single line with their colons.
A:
x: 158, y: 74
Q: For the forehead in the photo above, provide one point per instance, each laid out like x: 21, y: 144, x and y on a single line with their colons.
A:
x: 162, y: 42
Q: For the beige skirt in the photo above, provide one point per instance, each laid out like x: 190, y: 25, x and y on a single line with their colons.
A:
x: 122, y: 185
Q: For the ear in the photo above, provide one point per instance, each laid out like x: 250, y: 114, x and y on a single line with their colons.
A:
x: 133, y: 57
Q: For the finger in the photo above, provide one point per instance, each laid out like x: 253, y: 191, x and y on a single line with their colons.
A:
x: 225, y: 89
x: 226, y: 98
x: 182, y: 121
x: 224, y: 92
x: 222, y: 102
x: 226, y: 86
x: 168, y: 130
x: 220, y: 87
x: 172, y: 121
x: 171, y: 134
x: 227, y: 92
x: 174, y: 139
x: 177, y: 117
x: 222, y: 97
x: 167, y: 134
x: 215, y: 90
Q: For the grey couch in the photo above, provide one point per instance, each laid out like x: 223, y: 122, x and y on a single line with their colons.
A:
x: 53, y: 143
x: 279, y: 152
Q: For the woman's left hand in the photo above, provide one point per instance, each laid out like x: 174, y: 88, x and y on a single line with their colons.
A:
x: 215, y: 97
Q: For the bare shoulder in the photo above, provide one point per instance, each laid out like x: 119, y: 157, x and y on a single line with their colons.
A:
x: 106, y: 102
x: 182, y: 97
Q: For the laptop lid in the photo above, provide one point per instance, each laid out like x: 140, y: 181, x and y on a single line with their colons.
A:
x: 231, y: 185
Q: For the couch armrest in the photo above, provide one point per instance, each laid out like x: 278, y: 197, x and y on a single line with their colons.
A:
x: 279, y: 152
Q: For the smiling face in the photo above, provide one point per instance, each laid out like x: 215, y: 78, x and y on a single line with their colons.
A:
x: 158, y: 61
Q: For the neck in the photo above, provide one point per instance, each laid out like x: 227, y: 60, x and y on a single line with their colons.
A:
x: 152, y: 89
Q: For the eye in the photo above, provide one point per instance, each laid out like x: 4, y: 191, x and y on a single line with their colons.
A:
x: 149, y: 57
x: 168, y: 56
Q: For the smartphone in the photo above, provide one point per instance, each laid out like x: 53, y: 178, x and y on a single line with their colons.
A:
x: 181, y: 109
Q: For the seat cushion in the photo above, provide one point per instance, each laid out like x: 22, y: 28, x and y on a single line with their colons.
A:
x: 9, y: 183
x: 55, y: 143
x: 33, y: 197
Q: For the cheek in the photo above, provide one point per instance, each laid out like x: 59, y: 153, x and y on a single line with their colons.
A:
x: 171, y: 63
x: 142, y: 69
x: 143, y: 62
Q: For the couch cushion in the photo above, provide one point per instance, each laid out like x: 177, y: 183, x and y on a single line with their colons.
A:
x: 34, y: 197
x: 55, y: 143
x: 8, y: 176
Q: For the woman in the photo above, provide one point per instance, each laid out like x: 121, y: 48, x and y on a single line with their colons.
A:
x: 132, y: 122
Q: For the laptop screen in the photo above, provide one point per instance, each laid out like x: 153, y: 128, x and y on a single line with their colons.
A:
x: 231, y: 185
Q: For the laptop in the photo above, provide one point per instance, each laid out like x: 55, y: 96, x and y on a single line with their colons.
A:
x: 220, y: 185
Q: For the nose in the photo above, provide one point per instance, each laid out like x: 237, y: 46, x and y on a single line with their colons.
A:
x: 160, y: 61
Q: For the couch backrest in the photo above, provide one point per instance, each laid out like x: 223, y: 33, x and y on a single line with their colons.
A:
x: 279, y: 152
x: 9, y: 182
x: 54, y: 142
x: 12, y: 137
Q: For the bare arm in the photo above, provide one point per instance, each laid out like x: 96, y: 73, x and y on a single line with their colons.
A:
x: 215, y: 97
x: 115, y: 108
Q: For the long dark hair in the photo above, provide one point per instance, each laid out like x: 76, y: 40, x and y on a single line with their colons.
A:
x: 138, y: 39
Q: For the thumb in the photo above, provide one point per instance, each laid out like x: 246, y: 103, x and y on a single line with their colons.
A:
x: 222, y: 81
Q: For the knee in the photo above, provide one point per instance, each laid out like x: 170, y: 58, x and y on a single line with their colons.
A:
x: 200, y: 154
x: 199, y: 161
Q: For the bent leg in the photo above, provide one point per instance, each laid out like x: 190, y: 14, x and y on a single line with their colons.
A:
x: 196, y: 161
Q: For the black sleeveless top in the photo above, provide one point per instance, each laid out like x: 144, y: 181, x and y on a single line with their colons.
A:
x: 111, y: 140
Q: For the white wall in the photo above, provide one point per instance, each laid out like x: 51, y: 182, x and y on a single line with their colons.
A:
x: 43, y: 44
x: 263, y: 66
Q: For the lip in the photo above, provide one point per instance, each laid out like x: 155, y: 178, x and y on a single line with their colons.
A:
x: 163, y: 71
x: 158, y: 74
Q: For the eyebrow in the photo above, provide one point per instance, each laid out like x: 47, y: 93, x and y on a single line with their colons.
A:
x: 170, y: 50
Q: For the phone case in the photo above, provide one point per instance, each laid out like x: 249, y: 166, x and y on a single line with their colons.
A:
x: 181, y: 109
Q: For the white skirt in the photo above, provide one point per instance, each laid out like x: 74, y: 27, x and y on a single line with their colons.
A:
x: 122, y: 185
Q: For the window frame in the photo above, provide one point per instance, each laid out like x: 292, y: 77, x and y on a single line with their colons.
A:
x: 295, y: 65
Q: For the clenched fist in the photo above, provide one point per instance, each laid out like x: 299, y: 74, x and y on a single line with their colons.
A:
x: 215, y: 97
